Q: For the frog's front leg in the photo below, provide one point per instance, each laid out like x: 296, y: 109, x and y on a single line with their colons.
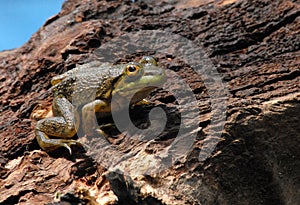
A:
x: 89, y: 121
x: 62, y: 125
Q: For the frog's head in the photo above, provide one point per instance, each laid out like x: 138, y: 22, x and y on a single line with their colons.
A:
x: 139, y: 79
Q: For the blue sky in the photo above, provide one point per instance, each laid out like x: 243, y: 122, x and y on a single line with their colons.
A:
x: 19, y: 19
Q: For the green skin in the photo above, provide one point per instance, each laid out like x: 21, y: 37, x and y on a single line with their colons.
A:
x: 89, y: 88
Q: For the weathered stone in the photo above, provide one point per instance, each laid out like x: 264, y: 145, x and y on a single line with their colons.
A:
x: 254, y: 46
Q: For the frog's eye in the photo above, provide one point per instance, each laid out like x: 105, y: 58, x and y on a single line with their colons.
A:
x: 132, y: 70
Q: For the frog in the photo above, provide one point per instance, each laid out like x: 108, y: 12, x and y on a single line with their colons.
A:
x: 88, y: 89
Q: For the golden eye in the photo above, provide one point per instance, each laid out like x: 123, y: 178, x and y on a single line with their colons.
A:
x: 132, y: 70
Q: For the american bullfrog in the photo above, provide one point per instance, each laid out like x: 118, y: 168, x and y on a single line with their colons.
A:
x: 89, y: 88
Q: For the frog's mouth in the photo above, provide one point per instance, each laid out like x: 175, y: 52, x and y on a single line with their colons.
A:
x: 142, y: 93
x: 138, y: 92
x: 131, y: 96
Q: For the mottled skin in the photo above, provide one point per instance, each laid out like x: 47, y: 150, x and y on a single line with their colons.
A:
x: 89, y: 88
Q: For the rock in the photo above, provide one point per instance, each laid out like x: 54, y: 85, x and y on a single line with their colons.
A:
x: 244, y: 95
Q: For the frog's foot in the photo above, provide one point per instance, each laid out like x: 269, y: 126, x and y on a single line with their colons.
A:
x: 143, y: 102
x: 100, y: 130
x: 68, y: 143
x: 48, y: 144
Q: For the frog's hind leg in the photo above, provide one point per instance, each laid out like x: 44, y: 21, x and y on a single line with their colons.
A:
x: 62, y: 126
x: 55, y: 126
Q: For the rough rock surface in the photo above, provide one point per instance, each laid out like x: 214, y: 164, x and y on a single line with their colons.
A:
x: 254, y: 46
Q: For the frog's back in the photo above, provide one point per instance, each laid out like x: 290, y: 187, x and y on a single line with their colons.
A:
x: 85, y: 83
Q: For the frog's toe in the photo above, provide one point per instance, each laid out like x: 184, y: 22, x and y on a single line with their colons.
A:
x: 67, y: 146
x: 100, y: 132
